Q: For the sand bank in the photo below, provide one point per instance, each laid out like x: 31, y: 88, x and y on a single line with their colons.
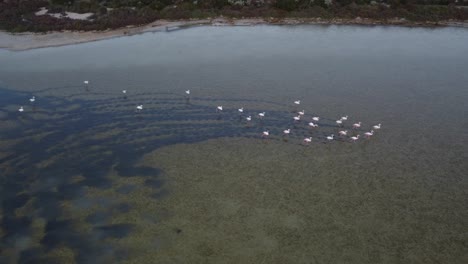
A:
x: 25, y: 41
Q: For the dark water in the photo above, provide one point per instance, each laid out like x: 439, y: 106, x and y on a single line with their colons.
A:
x: 413, y: 81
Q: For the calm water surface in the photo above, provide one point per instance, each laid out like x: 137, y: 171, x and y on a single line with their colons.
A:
x: 85, y: 178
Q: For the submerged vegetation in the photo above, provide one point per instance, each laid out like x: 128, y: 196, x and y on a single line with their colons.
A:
x: 24, y: 15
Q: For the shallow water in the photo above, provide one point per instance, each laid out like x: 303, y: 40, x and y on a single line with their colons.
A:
x: 179, y: 182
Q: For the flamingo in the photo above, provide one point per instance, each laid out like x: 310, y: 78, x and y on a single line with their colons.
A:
x: 261, y: 115
x: 219, y: 108
x: 297, y: 118
x: 355, y: 138
x: 311, y: 124
x: 301, y: 112
x: 21, y: 109
x: 316, y: 118
x: 307, y: 140
x: 344, y: 118
x: 86, y: 82
x: 339, y: 122
x: 376, y: 127
x: 265, y: 134
x: 297, y: 102
x: 241, y: 110
x: 124, y: 91
x: 249, y: 118
x: 331, y: 137
x: 343, y: 132
x: 32, y: 99
x: 357, y: 125
x: 139, y: 107
x: 187, y: 92
x: 369, y: 134
x: 287, y: 131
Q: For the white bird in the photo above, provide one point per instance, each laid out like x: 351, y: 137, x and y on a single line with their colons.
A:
x: 344, y: 118
x: 86, y: 82
x: 355, y: 138
x: 287, y: 131
x: 307, y: 140
x: 297, y: 118
x: 32, y: 99
x: 21, y: 109
x: 249, y: 118
x: 262, y: 114
x: 241, y: 110
x: 343, y: 132
x: 187, y: 92
x: 331, y: 137
x: 301, y: 112
x: 124, y: 91
x: 265, y: 133
x: 219, y: 108
x: 357, y: 125
x: 311, y: 124
x: 316, y: 118
x: 339, y: 122
x: 377, y: 126
x: 139, y: 107
x: 298, y: 102
x: 368, y: 134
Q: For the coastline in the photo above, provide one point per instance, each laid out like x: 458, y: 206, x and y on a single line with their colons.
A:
x: 27, y: 41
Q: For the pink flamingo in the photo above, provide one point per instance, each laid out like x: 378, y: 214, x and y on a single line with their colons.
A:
x: 357, y: 125
x: 369, y: 134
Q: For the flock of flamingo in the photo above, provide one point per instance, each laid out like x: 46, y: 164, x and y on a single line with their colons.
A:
x: 265, y: 134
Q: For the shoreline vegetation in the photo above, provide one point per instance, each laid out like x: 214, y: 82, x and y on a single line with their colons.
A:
x: 30, y: 24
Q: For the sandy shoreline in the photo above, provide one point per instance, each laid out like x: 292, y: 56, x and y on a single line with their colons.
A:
x: 26, y: 41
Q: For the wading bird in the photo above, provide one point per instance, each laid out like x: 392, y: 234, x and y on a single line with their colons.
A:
x: 297, y: 118
x: 331, y: 137
x: 261, y: 115
x: 219, y: 108
x: 249, y: 118
x: 241, y: 110
x: 32, y: 99
x: 354, y: 138
x: 21, y: 109
x: 301, y: 112
x: 312, y: 125
x: 139, y: 107
x: 369, y: 134
x: 376, y: 127
x: 316, y: 118
x: 357, y: 125
x: 297, y: 102
x: 286, y: 131
x: 307, y: 140
x: 187, y: 92
x: 124, y: 91
x: 343, y: 132
x: 344, y: 118
x: 339, y: 122
x: 265, y: 134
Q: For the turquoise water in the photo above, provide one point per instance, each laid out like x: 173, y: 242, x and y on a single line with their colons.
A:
x: 412, y: 172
